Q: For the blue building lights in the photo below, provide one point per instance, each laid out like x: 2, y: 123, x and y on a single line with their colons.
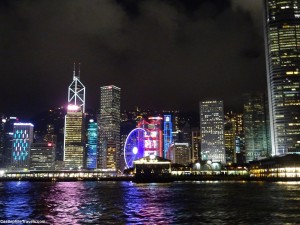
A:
x: 167, y: 133
x: 92, y: 145
x: 22, y: 139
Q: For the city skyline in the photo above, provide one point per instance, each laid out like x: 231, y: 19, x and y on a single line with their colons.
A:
x: 171, y: 54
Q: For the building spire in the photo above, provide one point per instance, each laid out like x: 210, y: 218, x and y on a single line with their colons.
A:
x: 74, y: 74
x: 79, y: 71
x: 76, y: 91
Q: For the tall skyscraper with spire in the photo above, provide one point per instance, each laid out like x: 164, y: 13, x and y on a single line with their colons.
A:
x: 74, y: 138
x: 282, y: 41
x: 109, y: 128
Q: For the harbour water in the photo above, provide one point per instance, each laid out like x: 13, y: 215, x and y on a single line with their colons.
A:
x: 192, y: 202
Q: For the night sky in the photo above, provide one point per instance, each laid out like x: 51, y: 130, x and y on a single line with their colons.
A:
x: 163, y: 54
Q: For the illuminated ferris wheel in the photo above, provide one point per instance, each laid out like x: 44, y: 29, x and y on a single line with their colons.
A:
x: 134, y: 146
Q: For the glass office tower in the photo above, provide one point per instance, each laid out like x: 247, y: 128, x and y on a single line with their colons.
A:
x: 22, y: 140
x: 92, y: 144
x: 256, y: 126
x: 167, y: 133
x: 74, y: 138
x: 212, y: 131
x: 282, y: 41
x: 109, y: 128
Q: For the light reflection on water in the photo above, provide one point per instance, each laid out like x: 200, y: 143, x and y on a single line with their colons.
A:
x: 17, y: 200
x: 143, y: 201
x: 130, y: 203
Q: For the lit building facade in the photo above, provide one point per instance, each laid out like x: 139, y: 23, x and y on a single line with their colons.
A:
x: 168, y: 137
x: 285, y: 167
x: 229, y: 138
x: 42, y: 156
x: 2, y: 140
x: 111, y: 161
x: 256, y: 127
x: 153, y: 141
x: 109, y: 126
x: 22, y: 140
x: 212, y: 130
x: 74, y: 138
x: 196, y: 144
x: 92, y: 145
x: 180, y: 153
x: 6, y: 140
x: 282, y: 40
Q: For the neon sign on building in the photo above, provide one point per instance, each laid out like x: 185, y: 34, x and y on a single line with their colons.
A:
x: 145, y: 140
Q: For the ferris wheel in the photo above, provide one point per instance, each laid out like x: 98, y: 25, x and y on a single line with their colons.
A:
x: 134, y: 146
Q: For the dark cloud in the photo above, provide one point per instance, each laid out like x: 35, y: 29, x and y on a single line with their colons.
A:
x: 162, y: 54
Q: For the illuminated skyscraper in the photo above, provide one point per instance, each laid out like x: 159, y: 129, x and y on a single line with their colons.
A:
x: 196, y: 143
x: 167, y: 133
x: 92, y: 145
x: 22, y: 140
x: 109, y: 128
x: 180, y: 153
x: 42, y: 156
x: 6, y: 140
x: 229, y: 138
x: 212, y: 130
x: 74, y: 141
x: 255, y: 127
x: 282, y: 41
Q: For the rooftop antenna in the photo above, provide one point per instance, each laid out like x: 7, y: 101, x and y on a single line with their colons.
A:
x: 79, y: 71
x: 74, y: 71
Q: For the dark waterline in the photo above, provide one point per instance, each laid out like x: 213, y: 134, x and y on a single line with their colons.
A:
x: 171, y: 203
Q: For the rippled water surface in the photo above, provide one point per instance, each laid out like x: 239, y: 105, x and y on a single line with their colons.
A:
x: 130, y: 203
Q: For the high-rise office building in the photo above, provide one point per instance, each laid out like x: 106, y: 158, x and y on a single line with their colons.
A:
x: 6, y: 140
x: 168, y: 137
x: 74, y: 138
x: 239, y: 138
x: 196, y: 143
x: 212, y: 130
x: 109, y: 128
x: 92, y: 144
x: 22, y: 140
x: 282, y: 40
x: 256, y: 127
x: 229, y: 137
x: 179, y: 153
x: 234, y: 137
x: 42, y: 156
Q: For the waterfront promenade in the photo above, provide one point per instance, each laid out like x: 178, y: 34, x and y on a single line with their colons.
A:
x: 61, y: 176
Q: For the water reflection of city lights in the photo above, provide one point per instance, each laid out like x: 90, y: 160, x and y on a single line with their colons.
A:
x: 17, y: 201
x: 64, y: 202
x: 148, y: 204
